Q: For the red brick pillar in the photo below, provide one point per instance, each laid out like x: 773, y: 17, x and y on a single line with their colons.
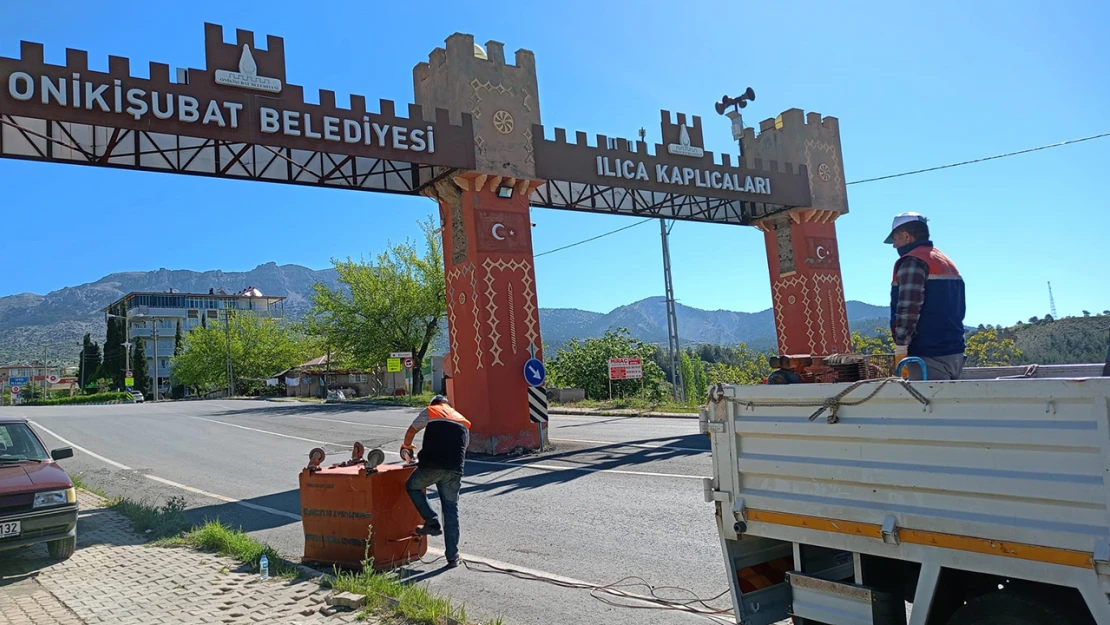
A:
x: 807, y: 292
x: 492, y: 311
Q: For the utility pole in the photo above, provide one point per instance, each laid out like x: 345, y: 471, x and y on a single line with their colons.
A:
x: 230, y: 369
x: 127, y: 339
x: 672, y: 319
x: 154, y: 380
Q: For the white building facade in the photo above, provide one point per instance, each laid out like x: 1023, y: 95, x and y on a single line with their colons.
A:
x: 151, y: 315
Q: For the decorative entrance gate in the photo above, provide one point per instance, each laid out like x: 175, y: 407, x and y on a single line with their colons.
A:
x: 474, y: 143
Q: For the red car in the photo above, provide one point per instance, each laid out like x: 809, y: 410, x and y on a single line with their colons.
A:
x: 38, y: 503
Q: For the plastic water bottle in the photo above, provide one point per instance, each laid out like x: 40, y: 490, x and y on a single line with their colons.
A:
x: 264, y: 567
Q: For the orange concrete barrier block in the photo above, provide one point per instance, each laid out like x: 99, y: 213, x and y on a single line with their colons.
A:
x: 341, y: 507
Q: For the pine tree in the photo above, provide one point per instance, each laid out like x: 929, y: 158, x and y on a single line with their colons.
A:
x: 115, y: 355
x: 139, y: 367
x: 177, y: 391
x: 89, y: 365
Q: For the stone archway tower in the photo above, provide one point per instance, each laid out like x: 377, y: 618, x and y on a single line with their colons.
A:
x: 492, y: 310
x: 807, y: 290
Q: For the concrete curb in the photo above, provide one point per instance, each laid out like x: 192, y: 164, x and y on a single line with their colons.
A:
x: 89, y: 403
x: 627, y: 413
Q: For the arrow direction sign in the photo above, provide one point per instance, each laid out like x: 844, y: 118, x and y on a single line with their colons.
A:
x: 534, y: 372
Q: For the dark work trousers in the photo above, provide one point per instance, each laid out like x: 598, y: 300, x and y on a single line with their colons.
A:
x: 448, y: 484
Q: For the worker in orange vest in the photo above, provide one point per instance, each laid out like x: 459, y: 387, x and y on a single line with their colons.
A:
x: 441, y: 459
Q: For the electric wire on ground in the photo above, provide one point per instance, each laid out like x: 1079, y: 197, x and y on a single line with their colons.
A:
x: 609, y: 593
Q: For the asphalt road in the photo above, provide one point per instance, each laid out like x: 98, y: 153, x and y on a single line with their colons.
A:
x: 616, y: 497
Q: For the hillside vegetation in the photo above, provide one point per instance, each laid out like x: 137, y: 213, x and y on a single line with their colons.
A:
x: 1051, y: 341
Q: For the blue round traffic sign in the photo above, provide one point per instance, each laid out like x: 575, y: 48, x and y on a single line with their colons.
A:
x: 534, y: 372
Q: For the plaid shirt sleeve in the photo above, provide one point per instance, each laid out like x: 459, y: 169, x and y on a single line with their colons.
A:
x: 911, y: 277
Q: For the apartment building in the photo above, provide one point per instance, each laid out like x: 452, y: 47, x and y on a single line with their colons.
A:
x: 151, y: 315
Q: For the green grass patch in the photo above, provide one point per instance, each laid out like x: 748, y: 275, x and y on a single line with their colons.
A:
x: 161, y: 521
x: 410, y: 401
x: 81, y: 399
x: 415, y: 603
x: 632, y: 403
x: 217, y: 537
x: 79, y: 482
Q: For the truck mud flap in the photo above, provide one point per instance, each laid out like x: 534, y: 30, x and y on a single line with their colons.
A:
x: 827, y: 601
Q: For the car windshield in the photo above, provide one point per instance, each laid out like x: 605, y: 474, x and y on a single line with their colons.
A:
x: 18, y: 443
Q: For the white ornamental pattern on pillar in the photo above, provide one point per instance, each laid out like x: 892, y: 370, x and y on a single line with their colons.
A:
x: 457, y: 296
x: 792, y: 291
x: 834, y: 292
x: 513, y: 266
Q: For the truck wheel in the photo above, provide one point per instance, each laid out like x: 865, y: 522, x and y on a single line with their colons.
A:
x: 63, y: 548
x: 1009, y: 608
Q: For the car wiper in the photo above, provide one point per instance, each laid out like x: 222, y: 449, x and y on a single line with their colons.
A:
x: 18, y: 459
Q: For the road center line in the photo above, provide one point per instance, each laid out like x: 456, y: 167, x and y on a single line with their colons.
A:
x: 296, y: 438
x: 376, y: 425
x: 517, y: 465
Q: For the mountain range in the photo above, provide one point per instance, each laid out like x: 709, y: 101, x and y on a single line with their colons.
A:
x: 51, y: 326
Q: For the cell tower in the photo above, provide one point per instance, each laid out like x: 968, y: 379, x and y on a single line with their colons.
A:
x: 1051, y: 301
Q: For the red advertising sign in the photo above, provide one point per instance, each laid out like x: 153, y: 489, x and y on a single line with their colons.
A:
x: 626, y: 368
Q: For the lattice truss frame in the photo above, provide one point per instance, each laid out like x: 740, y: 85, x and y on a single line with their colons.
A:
x: 617, y: 200
x: 37, y: 139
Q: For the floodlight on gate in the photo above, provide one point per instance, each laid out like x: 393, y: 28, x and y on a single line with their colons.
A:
x: 505, y: 191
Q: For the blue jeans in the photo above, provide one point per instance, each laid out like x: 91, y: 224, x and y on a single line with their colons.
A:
x: 448, y: 484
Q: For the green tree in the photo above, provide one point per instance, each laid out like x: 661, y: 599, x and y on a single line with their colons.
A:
x: 393, y: 304
x: 744, y: 366
x: 139, y: 367
x: 115, y: 353
x: 879, y: 343
x: 690, y: 363
x: 260, y: 347
x: 987, y: 348
x: 91, y: 360
x: 585, y: 365
x: 177, y: 391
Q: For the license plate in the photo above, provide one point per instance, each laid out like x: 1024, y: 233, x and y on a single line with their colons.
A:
x: 9, y: 529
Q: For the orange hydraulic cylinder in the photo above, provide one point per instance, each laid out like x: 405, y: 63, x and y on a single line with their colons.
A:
x: 341, y: 507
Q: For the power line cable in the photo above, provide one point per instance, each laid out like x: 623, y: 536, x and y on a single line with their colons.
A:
x: 559, y: 249
x: 981, y: 160
x: 866, y: 180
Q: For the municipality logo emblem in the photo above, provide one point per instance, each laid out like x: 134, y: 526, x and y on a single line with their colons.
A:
x: 683, y: 147
x: 247, y: 77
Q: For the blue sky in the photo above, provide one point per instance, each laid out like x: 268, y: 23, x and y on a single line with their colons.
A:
x: 912, y: 86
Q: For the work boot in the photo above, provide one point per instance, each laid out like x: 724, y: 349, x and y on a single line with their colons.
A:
x: 430, y: 528
x: 453, y: 563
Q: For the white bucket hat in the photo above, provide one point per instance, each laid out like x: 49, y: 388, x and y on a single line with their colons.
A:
x: 902, y: 219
